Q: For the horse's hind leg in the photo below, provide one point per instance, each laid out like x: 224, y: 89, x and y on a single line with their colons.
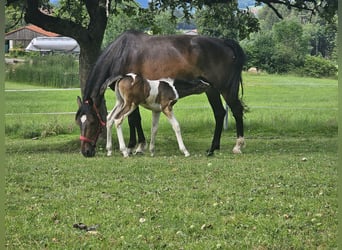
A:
x: 214, y: 99
x: 237, y: 110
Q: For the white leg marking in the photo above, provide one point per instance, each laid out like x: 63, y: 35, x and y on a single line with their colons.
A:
x: 122, y: 144
x: 176, y: 128
x: 110, y: 122
x: 154, y: 129
x: 240, y: 142
x: 140, y: 148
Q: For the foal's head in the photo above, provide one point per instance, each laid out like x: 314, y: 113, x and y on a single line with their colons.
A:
x: 91, y: 124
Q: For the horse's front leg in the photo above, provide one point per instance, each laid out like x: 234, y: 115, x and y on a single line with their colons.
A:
x: 134, y: 121
x: 215, y: 101
x: 154, y: 129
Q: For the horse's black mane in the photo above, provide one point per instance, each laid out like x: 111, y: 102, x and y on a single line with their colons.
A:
x: 108, y: 63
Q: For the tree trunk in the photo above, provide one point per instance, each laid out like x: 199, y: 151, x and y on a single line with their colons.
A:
x: 88, y: 55
x: 89, y: 38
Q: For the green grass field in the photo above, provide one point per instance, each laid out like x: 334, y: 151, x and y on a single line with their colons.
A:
x: 281, y: 193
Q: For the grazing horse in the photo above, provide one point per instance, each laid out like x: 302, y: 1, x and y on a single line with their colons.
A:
x: 187, y: 58
x: 157, y: 95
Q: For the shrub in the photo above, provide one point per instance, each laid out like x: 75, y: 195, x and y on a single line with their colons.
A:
x: 48, y: 70
x: 318, y: 67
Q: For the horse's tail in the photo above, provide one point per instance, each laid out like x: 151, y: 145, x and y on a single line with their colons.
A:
x: 239, y: 61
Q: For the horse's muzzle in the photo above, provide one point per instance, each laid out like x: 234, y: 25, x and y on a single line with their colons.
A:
x: 88, y: 150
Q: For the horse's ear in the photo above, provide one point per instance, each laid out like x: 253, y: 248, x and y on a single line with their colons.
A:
x: 109, y: 82
x: 79, y: 101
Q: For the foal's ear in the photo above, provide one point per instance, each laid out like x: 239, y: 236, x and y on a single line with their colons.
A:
x: 79, y: 101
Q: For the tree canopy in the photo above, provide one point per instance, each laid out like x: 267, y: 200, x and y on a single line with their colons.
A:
x: 86, y: 20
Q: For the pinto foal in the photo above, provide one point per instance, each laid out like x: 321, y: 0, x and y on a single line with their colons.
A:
x: 157, y: 95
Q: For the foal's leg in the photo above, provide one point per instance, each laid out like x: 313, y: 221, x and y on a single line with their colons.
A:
x: 123, y: 148
x: 119, y: 116
x: 109, y: 126
x: 175, y: 125
x: 154, y: 129
x: 214, y: 99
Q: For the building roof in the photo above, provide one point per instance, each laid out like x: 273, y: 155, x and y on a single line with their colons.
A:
x: 36, y: 29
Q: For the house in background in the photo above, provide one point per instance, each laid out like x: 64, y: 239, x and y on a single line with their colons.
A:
x: 21, y: 37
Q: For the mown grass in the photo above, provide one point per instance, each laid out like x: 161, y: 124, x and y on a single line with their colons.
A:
x: 280, y: 194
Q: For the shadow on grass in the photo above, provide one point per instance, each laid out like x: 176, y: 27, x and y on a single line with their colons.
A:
x: 58, y: 144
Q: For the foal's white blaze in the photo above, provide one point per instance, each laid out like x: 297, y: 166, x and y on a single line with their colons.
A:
x: 83, y: 118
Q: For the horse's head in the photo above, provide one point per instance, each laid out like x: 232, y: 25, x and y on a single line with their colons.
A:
x: 91, y: 124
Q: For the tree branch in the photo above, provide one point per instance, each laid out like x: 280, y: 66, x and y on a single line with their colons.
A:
x: 54, y: 24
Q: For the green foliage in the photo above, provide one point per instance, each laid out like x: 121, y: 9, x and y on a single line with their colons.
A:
x: 127, y: 16
x: 49, y: 70
x: 74, y: 11
x: 318, y: 67
x: 260, y: 51
x: 226, y: 21
x: 157, y: 23
x: 281, y: 50
x: 164, y: 24
x: 17, y: 52
x: 14, y: 18
x: 290, y: 46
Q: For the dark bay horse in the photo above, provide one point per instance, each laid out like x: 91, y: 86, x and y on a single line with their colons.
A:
x: 188, y: 58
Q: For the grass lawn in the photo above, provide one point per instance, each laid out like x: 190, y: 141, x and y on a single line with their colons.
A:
x: 281, y: 193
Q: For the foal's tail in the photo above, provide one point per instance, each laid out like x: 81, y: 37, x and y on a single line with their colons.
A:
x: 236, y: 78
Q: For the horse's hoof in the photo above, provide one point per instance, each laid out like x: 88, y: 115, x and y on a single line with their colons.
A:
x: 109, y: 153
x: 138, y: 153
x: 130, y: 151
x: 237, y: 151
x: 210, y: 152
x: 187, y: 154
